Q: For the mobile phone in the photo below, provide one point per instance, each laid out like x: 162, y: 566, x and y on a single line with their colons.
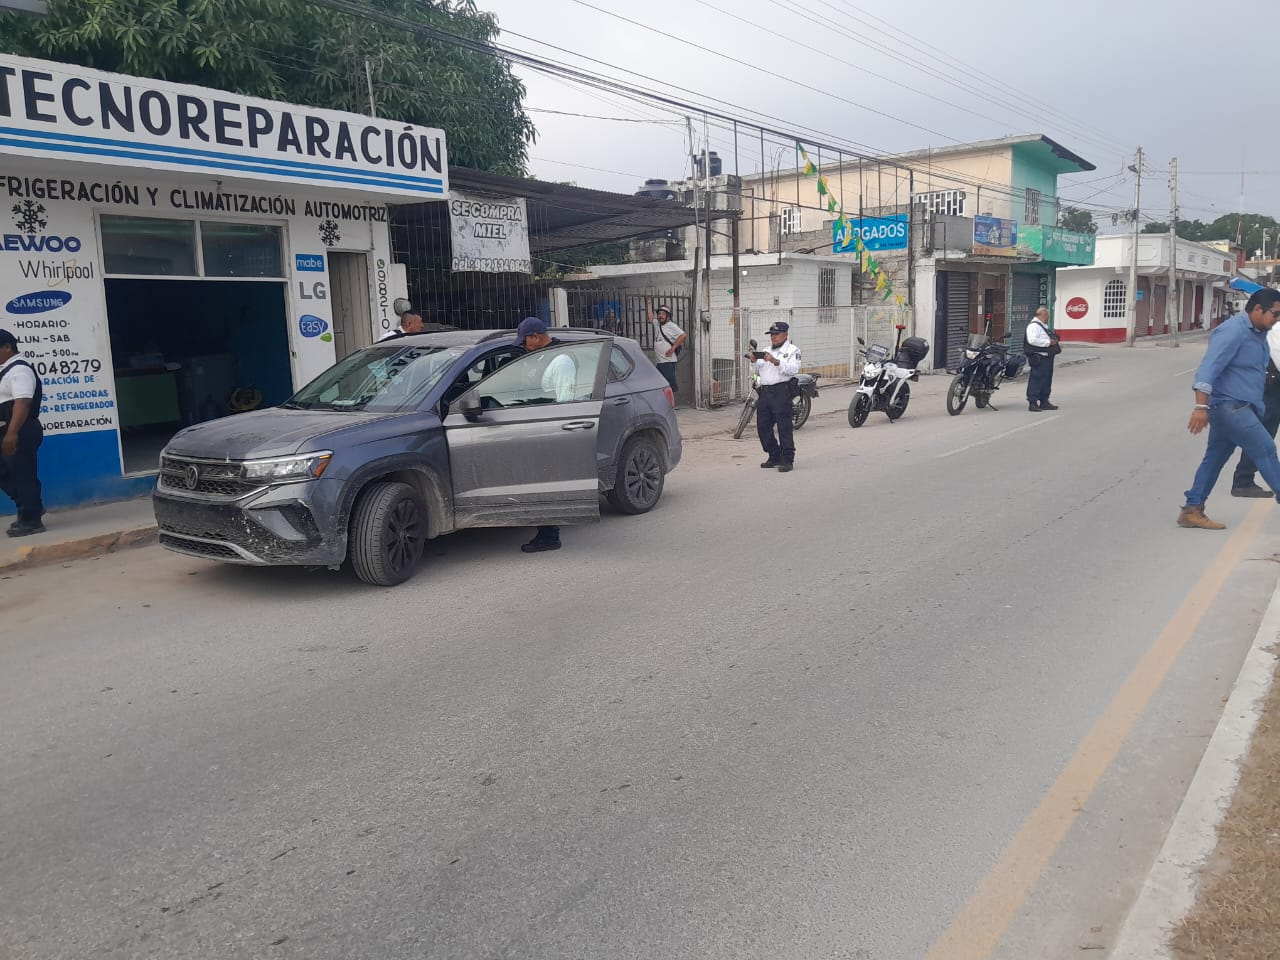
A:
x: 757, y: 354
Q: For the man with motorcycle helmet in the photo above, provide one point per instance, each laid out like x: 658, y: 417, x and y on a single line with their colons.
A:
x: 776, y: 369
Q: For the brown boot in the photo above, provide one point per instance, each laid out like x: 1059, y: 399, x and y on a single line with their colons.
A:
x: 1194, y: 517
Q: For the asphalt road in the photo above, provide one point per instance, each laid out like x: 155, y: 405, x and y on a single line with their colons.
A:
x: 849, y: 712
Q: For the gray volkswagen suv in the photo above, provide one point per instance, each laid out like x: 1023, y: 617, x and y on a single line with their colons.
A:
x: 416, y: 437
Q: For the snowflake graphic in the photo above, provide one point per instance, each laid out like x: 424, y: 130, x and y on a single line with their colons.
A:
x: 329, y: 234
x: 30, y: 217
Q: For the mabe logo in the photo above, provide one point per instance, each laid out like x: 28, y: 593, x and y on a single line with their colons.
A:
x: 38, y: 302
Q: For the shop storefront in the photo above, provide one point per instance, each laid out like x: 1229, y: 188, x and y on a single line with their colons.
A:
x: 171, y: 254
x: 1035, y: 284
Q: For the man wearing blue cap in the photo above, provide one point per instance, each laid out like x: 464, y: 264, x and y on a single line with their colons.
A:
x: 776, y: 369
x: 559, y: 378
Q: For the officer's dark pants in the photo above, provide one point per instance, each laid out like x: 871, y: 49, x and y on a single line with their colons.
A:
x: 18, y: 477
x: 1246, y: 468
x: 1040, y: 381
x: 773, y: 409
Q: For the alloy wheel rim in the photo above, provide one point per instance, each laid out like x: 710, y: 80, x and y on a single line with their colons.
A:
x: 404, y: 527
x: 643, y: 476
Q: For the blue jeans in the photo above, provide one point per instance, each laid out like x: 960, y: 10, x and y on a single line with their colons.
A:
x: 1234, y: 425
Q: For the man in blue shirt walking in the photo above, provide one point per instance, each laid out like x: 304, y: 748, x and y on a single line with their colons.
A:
x: 1229, y: 402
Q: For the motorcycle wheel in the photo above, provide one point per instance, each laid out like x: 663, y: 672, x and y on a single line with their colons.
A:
x: 748, y: 410
x: 899, y: 405
x: 859, y: 410
x: 800, y: 408
x: 957, y: 394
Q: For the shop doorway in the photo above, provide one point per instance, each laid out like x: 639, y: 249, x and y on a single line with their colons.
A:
x: 352, y: 319
x: 187, y: 351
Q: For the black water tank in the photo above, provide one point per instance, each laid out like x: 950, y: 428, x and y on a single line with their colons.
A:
x: 657, y: 190
x: 714, y: 158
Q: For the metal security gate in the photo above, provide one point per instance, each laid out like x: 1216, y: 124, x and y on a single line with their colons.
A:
x: 1026, y: 300
x: 951, y: 330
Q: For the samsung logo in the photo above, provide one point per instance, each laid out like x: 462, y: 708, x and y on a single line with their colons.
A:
x: 38, y: 302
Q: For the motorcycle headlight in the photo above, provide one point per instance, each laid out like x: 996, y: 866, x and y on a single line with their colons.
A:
x: 970, y: 354
x: 307, y: 466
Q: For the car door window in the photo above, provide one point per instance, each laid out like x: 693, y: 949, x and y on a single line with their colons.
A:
x: 476, y: 372
x: 620, y: 365
x: 561, y: 373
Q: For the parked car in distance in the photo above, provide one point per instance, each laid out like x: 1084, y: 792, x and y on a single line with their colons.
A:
x: 415, y: 437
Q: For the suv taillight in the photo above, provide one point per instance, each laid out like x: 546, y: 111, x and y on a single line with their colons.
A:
x: 670, y: 395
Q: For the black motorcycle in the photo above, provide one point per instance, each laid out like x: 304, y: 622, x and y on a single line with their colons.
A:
x: 801, y: 403
x: 983, y: 367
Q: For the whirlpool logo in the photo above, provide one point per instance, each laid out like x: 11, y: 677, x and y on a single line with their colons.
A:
x: 40, y: 302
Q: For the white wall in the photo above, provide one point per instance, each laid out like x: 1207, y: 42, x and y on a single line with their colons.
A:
x: 63, y: 257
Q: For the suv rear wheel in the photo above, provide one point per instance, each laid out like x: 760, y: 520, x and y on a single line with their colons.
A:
x: 641, y: 476
x: 388, y: 533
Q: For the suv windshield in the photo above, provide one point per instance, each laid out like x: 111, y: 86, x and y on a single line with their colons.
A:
x: 382, y: 378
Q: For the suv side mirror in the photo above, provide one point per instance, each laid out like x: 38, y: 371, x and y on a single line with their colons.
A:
x: 469, y: 404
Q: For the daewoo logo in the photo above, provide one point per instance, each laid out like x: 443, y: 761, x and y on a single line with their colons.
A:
x: 40, y: 302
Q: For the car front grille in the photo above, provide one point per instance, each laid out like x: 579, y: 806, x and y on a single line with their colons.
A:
x: 199, y: 548
x: 185, y: 475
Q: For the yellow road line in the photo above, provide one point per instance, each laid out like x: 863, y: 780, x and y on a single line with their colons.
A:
x: 978, y: 927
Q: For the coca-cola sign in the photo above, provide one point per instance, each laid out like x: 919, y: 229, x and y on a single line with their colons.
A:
x: 1077, y: 307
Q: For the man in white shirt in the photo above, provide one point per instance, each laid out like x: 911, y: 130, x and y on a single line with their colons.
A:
x: 776, y: 367
x: 560, y: 379
x: 410, y: 322
x: 667, y: 341
x: 20, y: 437
x: 1041, y: 346
x: 1243, y: 483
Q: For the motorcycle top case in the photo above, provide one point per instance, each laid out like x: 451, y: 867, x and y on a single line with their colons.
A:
x: 913, y: 350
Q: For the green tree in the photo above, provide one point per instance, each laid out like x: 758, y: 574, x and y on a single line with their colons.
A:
x: 1074, y: 218
x: 1194, y: 230
x: 297, y: 51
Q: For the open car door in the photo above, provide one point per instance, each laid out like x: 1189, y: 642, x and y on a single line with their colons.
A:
x: 522, y: 442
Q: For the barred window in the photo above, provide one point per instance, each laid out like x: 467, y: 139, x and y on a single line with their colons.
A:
x: 790, y: 220
x: 827, y: 287
x: 1115, y: 300
x: 1031, y: 215
x: 947, y: 202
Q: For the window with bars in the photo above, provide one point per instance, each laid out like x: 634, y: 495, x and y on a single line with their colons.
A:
x: 827, y: 295
x: 1115, y: 300
x: 1031, y: 215
x: 947, y: 202
x: 790, y: 220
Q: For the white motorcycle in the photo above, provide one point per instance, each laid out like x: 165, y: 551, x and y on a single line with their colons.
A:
x: 884, y: 382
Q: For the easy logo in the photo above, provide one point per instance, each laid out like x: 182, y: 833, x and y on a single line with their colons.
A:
x: 309, y: 262
x: 38, y: 302
x: 312, y: 326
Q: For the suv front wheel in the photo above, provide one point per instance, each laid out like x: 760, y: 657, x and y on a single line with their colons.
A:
x: 640, y: 478
x: 388, y: 533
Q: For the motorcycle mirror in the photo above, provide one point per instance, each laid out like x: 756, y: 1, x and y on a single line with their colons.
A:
x: 900, y: 326
x: 754, y: 345
x: 861, y: 341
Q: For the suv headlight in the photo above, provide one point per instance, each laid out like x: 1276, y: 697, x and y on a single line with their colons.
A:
x: 307, y: 466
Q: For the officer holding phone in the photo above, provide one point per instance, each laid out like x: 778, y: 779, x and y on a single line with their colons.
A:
x: 776, y: 369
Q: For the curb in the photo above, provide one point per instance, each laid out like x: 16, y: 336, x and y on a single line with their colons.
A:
x: 1170, y: 888
x: 39, y: 554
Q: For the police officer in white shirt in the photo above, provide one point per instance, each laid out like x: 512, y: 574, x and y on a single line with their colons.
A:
x: 776, y: 369
x: 1243, y: 483
x: 1041, y: 346
x: 20, y: 436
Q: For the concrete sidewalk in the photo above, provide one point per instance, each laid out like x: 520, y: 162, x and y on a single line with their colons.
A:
x: 108, y: 527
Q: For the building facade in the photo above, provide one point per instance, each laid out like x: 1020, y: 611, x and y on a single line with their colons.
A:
x: 1092, y: 301
x: 170, y: 254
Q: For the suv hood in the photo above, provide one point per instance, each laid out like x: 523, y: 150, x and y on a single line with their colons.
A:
x: 273, y: 432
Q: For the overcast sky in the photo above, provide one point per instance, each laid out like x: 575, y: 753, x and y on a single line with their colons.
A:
x: 1180, y: 78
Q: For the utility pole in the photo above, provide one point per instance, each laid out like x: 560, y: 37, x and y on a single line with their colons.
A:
x: 1172, y: 304
x: 368, y: 79
x: 1131, y: 315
